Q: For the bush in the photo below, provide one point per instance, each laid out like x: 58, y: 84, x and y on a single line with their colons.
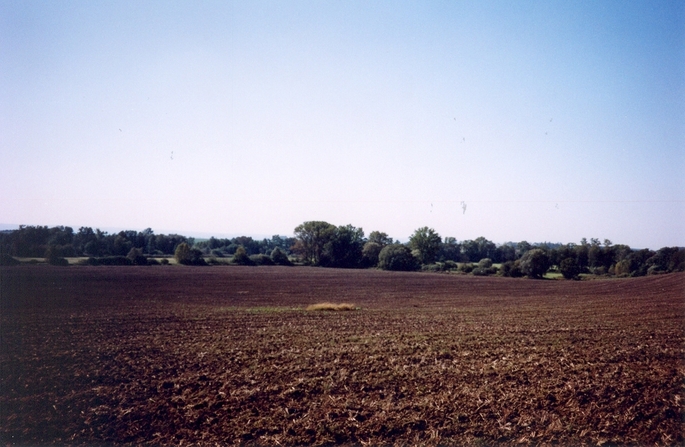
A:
x: 6, y: 259
x: 152, y: 261
x: 481, y: 271
x: 437, y: 267
x: 397, y: 257
x: 182, y: 253
x: 111, y: 260
x: 569, y: 268
x: 485, y: 263
x: 186, y: 255
x: 466, y: 267
x: 53, y: 256
x: 622, y: 268
x: 510, y: 269
x: 279, y: 257
x: 655, y: 270
x: 370, y: 253
x: 240, y: 257
x: 261, y: 259
x: 450, y: 265
x: 136, y: 257
x: 164, y: 261
x: 599, y: 271
x: 534, y: 263
x: 484, y: 268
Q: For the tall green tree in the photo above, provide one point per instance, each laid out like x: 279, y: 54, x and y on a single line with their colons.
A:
x: 344, y: 248
x: 450, y: 250
x: 380, y: 238
x: 397, y: 257
x: 535, y: 263
x: 427, y: 244
x: 312, y: 237
x: 370, y: 253
x: 569, y: 268
x: 522, y: 247
x: 183, y: 253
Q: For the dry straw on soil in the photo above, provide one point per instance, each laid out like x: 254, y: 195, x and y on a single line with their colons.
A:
x: 332, y: 306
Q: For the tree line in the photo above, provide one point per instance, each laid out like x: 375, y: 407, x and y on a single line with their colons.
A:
x: 319, y: 243
x: 327, y: 245
x: 61, y: 241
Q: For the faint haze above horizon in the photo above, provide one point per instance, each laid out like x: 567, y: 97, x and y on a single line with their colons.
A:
x: 538, y: 121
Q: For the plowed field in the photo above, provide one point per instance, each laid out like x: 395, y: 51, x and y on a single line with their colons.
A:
x: 229, y: 355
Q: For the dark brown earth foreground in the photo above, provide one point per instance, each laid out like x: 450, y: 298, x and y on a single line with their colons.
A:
x: 228, y: 355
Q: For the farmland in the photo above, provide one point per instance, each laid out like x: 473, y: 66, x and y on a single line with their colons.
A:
x: 230, y: 355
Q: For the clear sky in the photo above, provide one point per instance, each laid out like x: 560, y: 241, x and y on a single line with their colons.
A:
x: 512, y: 120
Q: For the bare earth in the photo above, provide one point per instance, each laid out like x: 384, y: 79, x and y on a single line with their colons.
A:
x: 228, y: 355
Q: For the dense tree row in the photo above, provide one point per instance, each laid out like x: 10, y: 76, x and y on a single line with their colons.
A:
x: 322, y: 244
x: 30, y: 241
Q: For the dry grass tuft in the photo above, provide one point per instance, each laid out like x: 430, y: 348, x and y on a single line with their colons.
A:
x: 332, y: 306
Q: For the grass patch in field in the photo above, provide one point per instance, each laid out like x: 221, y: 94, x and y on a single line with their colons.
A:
x: 270, y: 309
x: 257, y: 309
x: 332, y: 306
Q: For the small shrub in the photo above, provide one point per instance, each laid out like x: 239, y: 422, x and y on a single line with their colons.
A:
x: 622, y: 268
x: 397, y: 257
x: 370, y: 252
x: 511, y: 269
x: 332, y: 306
x: 136, y: 257
x: 569, y: 268
x: 535, y: 263
x: 186, y: 255
x: 152, y: 261
x: 450, y: 265
x: 599, y: 271
x: 437, y: 267
x: 655, y: 270
x: 241, y: 258
x: 485, y: 263
x: 279, y: 257
x: 53, y: 256
x: 261, y: 259
x: 164, y: 261
x: 113, y: 260
x: 466, y: 267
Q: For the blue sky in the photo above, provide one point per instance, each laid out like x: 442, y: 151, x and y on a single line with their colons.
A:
x: 550, y: 121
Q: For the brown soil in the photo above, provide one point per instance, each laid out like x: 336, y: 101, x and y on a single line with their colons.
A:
x: 229, y: 355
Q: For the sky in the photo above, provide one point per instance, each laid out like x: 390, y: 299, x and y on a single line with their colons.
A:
x: 511, y: 120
